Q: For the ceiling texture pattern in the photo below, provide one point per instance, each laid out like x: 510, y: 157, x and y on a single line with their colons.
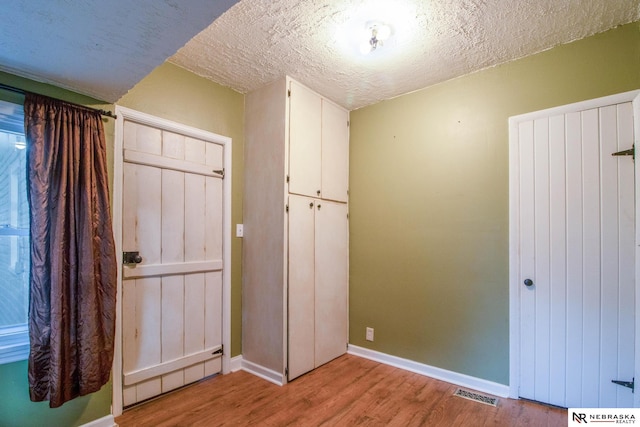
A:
x: 255, y: 42
x: 103, y: 49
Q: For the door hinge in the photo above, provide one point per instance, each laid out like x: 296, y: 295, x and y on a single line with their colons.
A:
x: 219, y: 172
x: 289, y: 93
x: 630, y: 152
x: 286, y: 208
x: 286, y: 372
x: 287, y: 179
x: 219, y: 351
x: 628, y: 384
x: 348, y: 123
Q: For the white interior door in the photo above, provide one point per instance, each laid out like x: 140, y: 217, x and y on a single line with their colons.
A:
x: 573, y: 255
x: 331, y: 281
x: 301, y: 294
x: 171, y: 300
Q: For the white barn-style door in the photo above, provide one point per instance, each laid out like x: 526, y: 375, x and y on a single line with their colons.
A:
x: 573, y: 254
x: 173, y: 210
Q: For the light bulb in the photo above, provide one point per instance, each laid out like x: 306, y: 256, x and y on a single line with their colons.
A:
x: 384, y: 31
x: 365, y: 47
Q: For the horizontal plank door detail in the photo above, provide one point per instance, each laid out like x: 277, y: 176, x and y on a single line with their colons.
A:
x: 172, y: 301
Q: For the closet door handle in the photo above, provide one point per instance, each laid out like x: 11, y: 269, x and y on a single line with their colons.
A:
x: 311, y: 205
x: 528, y: 282
x: 319, y: 206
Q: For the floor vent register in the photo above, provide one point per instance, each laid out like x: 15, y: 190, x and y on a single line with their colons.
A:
x: 476, y: 397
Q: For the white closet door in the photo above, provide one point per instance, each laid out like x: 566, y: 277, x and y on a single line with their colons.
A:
x: 335, y: 152
x: 172, y: 300
x: 576, y: 257
x: 331, y: 281
x: 305, y: 109
x: 301, y: 303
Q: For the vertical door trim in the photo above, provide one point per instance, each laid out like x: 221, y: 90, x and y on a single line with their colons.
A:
x: 118, y: 165
x: 514, y: 227
x: 636, y: 141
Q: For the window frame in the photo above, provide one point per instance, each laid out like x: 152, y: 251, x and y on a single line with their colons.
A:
x: 14, y: 343
x: 14, y: 339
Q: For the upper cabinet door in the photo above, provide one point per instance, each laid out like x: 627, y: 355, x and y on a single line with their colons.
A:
x: 305, y: 115
x: 335, y: 152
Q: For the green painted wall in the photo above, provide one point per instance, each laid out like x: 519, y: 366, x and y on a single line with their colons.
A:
x: 16, y: 409
x: 172, y: 93
x: 429, y: 194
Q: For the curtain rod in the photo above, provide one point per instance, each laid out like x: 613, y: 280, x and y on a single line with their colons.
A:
x: 24, y: 92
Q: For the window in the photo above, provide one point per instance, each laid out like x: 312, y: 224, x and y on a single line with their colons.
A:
x: 14, y: 235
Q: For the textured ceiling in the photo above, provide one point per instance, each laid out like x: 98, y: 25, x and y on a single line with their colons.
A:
x: 103, y: 49
x: 98, y: 48
x: 256, y: 42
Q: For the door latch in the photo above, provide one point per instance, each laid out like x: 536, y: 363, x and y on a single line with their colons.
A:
x: 131, y: 257
x: 628, y: 384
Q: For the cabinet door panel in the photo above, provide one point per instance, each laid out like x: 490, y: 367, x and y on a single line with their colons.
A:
x: 331, y: 281
x: 301, y: 285
x: 335, y: 152
x: 305, y: 109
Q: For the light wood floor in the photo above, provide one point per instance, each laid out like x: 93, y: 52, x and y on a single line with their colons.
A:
x: 345, y: 392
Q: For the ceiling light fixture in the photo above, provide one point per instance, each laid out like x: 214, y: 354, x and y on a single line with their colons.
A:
x: 379, y: 32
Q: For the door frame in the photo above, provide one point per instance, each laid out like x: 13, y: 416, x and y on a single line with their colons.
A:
x: 118, y: 167
x: 514, y: 227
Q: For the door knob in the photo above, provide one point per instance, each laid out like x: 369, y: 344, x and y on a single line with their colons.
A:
x: 528, y: 282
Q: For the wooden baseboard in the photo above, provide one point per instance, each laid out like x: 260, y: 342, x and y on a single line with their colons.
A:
x: 456, y: 378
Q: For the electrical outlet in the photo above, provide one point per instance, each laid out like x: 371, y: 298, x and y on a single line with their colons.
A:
x: 369, y: 334
x: 239, y: 230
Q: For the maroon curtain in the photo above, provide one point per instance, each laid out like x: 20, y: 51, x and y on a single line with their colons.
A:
x: 73, y: 262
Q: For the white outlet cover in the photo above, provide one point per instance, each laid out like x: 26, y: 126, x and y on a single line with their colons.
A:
x: 239, y: 230
x: 369, y: 334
